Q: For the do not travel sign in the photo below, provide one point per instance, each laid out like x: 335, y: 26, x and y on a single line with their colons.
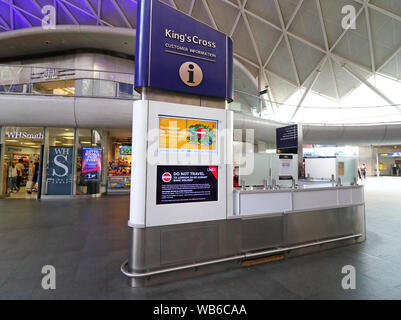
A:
x: 59, y: 173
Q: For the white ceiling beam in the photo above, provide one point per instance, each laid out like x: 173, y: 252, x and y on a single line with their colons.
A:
x: 209, y: 13
x: 327, y: 46
x: 255, y: 46
x: 311, y: 84
x: 294, y: 67
x: 68, y: 12
x: 191, y: 7
x: 319, y: 66
x: 173, y: 4
x: 268, y: 71
x: 370, y: 37
x: 274, y: 50
x: 94, y: 16
x: 12, y: 24
x: 323, y: 27
x: 288, y: 81
x: 235, y: 23
x: 309, y: 43
x: 24, y: 18
x: 282, y: 33
x: 349, y: 62
x: 267, y: 22
x: 93, y: 11
x: 313, y: 77
x: 381, y: 10
x: 5, y: 24
x: 299, y: 5
x: 122, y: 14
x: 19, y: 9
x: 253, y: 64
x: 334, y: 79
x: 361, y: 79
x: 389, y: 59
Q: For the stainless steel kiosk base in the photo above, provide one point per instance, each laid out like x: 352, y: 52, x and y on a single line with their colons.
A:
x: 168, y: 253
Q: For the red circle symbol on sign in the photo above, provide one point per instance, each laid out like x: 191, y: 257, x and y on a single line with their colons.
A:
x: 166, y: 177
x: 201, y: 132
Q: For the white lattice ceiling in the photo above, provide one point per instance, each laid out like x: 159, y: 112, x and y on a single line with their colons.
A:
x: 289, y: 43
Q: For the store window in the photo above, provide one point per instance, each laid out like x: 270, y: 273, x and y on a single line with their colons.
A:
x: 120, y: 161
x: 59, y: 150
x: 95, y: 88
x: 21, y: 161
x: 63, y: 87
x: 126, y: 90
x: 89, y: 173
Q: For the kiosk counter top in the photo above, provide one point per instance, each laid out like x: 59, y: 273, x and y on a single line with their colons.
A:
x: 309, y: 197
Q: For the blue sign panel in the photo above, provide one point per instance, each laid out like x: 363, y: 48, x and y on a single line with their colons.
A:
x: 390, y: 155
x: 178, y: 53
x: 59, y: 172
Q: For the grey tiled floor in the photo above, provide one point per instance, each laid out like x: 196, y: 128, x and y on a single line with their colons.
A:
x: 87, y: 240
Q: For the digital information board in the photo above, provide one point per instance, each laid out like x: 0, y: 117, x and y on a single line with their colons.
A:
x: 184, y: 184
x: 287, y: 139
x: 187, y: 135
x: 91, y: 164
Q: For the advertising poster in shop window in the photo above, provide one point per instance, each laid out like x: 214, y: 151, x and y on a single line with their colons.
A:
x: 91, y: 164
x: 59, y: 173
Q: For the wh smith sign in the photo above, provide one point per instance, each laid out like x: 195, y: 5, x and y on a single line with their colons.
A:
x: 59, y: 173
x: 178, y: 53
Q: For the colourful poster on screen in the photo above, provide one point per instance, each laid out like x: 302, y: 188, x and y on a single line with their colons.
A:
x: 91, y: 160
x: 126, y: 150
x: 187, y: 135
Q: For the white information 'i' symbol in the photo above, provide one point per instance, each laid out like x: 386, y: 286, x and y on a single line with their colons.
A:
x: 191, y: 74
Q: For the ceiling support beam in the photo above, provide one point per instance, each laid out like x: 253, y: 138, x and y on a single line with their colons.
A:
x: 327, y: 46
x: 389, y: 59
x: 312, y: 82
x: 191, y: 7
x: 235, y: 23
x: 361, y: 79
x: 210, y: 15
x: 284, y: 30
x: 122, y: 14
x: 370, y: 37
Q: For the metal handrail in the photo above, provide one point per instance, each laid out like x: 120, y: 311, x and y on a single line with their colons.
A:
x: 245, y: 256
x: 58, y: 68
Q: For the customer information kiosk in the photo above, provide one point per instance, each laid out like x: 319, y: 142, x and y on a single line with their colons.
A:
x: 185, y: 216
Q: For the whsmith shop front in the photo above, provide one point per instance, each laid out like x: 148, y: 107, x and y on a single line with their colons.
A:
x: 43, y: 162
